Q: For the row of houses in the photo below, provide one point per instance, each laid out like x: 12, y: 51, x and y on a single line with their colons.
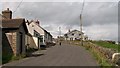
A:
x: 19, y: 34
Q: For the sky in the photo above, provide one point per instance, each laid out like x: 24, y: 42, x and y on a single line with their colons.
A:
x: 99, y: 19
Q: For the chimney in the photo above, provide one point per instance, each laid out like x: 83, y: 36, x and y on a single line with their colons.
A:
x: 28, y: 22
x: 38, y: 22
x: 7, y: 14
x: 69, y: 30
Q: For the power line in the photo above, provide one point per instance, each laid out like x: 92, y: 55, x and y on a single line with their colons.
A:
x: 18, y: 6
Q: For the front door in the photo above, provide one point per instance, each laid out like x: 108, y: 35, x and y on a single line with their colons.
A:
x: 38, y: 43
x: 21, y: 43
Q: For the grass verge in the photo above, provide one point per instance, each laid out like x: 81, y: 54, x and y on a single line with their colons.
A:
x: 98, y: 56
x: 9, y: 58
x: 107, y: 45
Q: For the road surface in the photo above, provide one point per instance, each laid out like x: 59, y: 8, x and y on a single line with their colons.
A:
x: 64, y: 55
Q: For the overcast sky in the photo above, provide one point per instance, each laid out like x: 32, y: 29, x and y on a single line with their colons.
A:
x: 100, y: 19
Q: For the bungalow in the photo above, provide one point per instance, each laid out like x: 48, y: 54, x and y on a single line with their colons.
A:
x: 13, y: 34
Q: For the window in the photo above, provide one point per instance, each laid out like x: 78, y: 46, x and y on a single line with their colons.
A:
x: 72, y: 34
x: 66, y: 36
x: 36, y: 34
x: 32, y: 25
x: 41, y: 38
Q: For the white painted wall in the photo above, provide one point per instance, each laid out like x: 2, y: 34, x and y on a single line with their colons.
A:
x: 36, y: 41
x: 34, y: 26
x: 76, y: 35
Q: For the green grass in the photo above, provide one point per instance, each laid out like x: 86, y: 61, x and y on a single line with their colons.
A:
x: 101, y: 59
x: 9, y: 58
x: 98, y: 56
x: 6, y: 58
x: 107, y: 45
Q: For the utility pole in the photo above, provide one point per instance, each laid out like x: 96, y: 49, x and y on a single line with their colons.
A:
x: 81, y: 23
x: 81, y: 29
x: 60, y: 35
x: 60, y: 31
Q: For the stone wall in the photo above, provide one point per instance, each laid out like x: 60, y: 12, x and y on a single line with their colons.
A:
x: 7, y: 50
x: 12, y: 40
x: 106, y: 52
x: 30, y: 42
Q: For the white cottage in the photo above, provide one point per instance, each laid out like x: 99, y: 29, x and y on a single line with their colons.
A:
x: 33, y: 39
x: 46, y: 37
x: 40, y: 36
x: 73, y: 35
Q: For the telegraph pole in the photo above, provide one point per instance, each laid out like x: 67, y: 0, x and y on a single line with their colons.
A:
x: 60, y: 31
x: 81, y: 29
x: 60, y: 35
x: 81, y: 23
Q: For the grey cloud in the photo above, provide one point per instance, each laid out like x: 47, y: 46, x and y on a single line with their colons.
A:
x: 63, y: 13
x: 66, y: 14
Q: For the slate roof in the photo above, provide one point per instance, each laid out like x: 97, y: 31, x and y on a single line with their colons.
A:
x: 13, y: 23
x: 74, y: 31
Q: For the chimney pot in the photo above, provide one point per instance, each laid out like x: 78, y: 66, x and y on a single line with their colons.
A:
x: 69, y: 30
x: 7, y: 14
x: 8, y: 9
x: 37, y: 22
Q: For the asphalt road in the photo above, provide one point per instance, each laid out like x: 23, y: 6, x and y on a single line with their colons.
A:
x: 64, y: 55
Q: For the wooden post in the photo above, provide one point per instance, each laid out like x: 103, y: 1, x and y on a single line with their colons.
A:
x: 81, y: 29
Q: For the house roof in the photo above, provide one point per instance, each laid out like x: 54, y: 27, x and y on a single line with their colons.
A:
x: 13, y: 23
x: 74, y: 31
x: 45, y: 30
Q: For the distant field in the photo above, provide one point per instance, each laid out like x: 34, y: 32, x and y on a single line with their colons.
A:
x: 107, y: 45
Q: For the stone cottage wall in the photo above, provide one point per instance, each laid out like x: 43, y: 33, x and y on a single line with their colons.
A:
x: 8, y: 46
x: 12, y: 40
x: 30, y: 42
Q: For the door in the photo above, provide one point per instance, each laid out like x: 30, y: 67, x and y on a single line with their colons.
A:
x: 38, y: 43
x: 21, y: 43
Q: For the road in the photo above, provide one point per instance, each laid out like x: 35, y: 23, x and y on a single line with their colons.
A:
x: 64, y: 55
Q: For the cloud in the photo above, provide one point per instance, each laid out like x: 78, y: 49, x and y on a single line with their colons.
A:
x: 98, y: 32
x: 60, y: 0
x: 102, y: 15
